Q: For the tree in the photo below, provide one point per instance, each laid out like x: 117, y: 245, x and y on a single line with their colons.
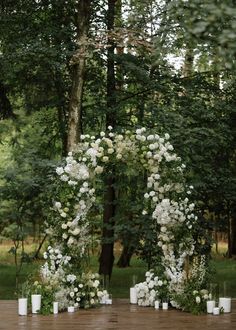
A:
x: 78, y: 73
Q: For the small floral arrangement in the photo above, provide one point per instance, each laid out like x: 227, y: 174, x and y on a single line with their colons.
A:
x: 84, y: 290
x: 191, y: 300
x: 193, y: 294
x: 151, y: 289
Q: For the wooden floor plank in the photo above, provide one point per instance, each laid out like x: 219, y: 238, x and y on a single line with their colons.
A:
x: 119, y: 316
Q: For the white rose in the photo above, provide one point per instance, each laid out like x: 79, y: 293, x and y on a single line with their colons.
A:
x: 58, y: 205
x: 110, y: 150
x: 105, y: 159
x: 98, y: 169
x: 64, y: 226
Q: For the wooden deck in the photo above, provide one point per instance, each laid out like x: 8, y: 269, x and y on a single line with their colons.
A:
x: 121, y: 315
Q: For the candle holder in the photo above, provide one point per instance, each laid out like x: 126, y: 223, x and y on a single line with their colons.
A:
x: 55, y: 307
x: 165, y: 304
x: 216, y: 311
x: 36, y: 303
x: 211, y: 304
x: 109, y: 299
x: 225, y: 300
x: 133, y: 296
x: 22, y: 306
x: 70, y: 309
x: 157, y: 304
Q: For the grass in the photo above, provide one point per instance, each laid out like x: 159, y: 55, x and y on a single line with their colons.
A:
x: 121, y: 280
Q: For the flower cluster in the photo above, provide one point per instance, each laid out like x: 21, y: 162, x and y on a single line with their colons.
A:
x: 84, y: 290
x: 192, y: 296
x: 151, y: 289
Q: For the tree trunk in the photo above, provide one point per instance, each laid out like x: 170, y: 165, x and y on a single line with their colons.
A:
x: 107, y: 257
x: 188, y: 62
x: 125, y: 257
x: 233, y: 236
x: 5, y: 105
x: 111, y: 78
x: 78, y: 62
x: 229, y: 254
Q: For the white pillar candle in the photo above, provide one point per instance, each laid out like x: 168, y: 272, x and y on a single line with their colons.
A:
x: 55, y: 307
x: 70, y: 309
x: 133, y: 296
x: 22, y: 306
x: 36, y: 303
x: 225, y: 303
x: 157, y: 304
x: 210, y: 305
x: 165, y: 305
x: 216, y: 311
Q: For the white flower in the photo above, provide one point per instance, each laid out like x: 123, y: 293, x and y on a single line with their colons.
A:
x: 64, y: 226
x: 167, y: 136
x: 70, y: 241
x: 198, y: 300
x: 96, y: 283
x: 98, y: 169
x: 64, y: 178
x: 163, y: 229
x: 109, y: 128
x: 59, y: 170
x: 105, y: 159
x: 75, y: 232
x: 57, y: 205
x: 110, y: 151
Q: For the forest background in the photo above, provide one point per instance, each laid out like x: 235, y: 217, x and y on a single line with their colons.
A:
x: 76, y: 67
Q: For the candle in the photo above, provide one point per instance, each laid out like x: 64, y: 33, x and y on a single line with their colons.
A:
x: 36, y: 303
x: 22, y: 306
x: 70, y: 309
x: 216, y: 311
x: 210, y: 306
x: 104, y: 298
x: 109, y: 299
x: 157, y: 304
x: 133, y: 296
x: 55, y: 307
x: 165, y: 305
x: 225, y: 303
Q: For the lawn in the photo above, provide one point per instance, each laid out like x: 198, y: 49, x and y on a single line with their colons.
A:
x: 225, y: 270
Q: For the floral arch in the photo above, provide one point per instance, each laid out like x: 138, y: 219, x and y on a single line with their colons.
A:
x: 165, y: 200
